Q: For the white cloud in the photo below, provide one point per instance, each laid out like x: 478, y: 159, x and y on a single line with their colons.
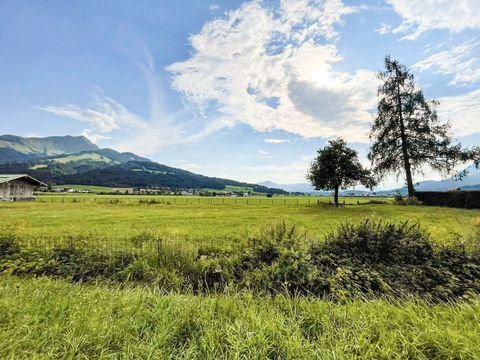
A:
x: 277, y: 141
x: 104, y: 115
x: 273, y: 69
x: 146, y: 135
x: 94, y: 138
x: 423, y: 15
x: 463, y: 112
x: 282, y: 173
x: 384, y: 29
x: 461, y: 61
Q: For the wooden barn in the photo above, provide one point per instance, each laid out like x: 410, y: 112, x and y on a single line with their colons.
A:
x: 18, y: 187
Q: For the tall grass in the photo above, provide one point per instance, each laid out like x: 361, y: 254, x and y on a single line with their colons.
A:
x: 45, y: 319
x: 365, y: 260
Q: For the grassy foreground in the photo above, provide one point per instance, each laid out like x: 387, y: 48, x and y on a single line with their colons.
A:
x: 44, y: 319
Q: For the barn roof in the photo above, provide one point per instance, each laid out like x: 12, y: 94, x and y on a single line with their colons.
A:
x: 5, y: 178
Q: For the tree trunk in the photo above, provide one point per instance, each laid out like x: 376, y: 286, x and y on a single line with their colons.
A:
x: 406, y: 157
x: 335, y: 197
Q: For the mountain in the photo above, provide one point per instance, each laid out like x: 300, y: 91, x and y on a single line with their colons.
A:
x: 300, y: 187
x: 16, y: 148
x: 102, y: 167
x: 470, y: 182
x: 86, y: 169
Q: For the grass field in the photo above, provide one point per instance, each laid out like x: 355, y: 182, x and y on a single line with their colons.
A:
x: 218, y: 219
x: 92, y: 188
x: 45, y: 319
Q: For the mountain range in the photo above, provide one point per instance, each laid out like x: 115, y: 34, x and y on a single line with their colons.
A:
x: 60, y: 160
x: 470, y: 182
x: 17, y: 149
x: 76, y: 160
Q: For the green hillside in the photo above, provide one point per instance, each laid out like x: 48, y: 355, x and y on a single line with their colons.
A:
x: 86, y: 156
x: 17, y: 148
x: 102, y: 167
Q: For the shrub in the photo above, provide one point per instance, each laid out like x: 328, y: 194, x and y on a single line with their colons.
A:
x: 277, y: 259
x: 395, y: 259
x: 376, y: 242
x: 365, y: 260
x: 8, y: 244
x: 457, y: 199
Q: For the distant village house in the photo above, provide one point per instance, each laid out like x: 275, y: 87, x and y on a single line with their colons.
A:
x: 18, y: 187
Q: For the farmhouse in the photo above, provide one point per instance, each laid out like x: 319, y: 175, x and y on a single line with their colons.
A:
x: 18, y: 187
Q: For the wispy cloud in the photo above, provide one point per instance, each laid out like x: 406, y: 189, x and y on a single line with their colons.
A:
x: 384, y: 29
x: 461, y: 61
x: 274, y: 69
x: 420, y: 16
x: 462, y: 111
x: 277, y: 141
x: 106, y: 116
x: 103, y: 115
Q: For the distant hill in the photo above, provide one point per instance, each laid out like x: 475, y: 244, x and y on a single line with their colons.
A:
x: 60, y: 164
x: 87, y: 169
x: 306, y: 188
x: 17, y: 148
x: 300, y: 187
x: 470, y: 182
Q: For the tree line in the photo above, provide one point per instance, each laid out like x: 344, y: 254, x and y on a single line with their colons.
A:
x: 406, y: 136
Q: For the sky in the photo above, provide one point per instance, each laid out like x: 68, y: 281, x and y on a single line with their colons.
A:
x: 247, y: 90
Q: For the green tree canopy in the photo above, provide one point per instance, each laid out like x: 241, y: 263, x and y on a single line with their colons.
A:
x: 407, y: 134
x: 337, y: 167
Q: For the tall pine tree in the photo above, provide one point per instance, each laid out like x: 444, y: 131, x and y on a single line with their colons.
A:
x: 407, y: 134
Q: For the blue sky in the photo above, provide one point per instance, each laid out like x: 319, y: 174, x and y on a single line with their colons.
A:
x: 240, y: 89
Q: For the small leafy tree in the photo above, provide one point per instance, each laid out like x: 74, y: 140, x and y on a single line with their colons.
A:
x: 407, y: 133
x: 337, y: 167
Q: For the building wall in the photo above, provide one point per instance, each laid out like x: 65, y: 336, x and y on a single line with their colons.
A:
x: 16, y: 189
x: 4, y: 191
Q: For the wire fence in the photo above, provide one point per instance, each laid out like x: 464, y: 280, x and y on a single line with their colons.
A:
x: 143, y: 244
x: 199, y: 201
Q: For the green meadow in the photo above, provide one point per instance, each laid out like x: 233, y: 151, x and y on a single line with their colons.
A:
x: 220, y: 219
x: 43, y: 317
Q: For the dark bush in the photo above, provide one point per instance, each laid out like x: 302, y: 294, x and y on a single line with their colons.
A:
x: 395, y: 259
x: 370, y: 243
x: 456, y: 199
x: 8, y: 244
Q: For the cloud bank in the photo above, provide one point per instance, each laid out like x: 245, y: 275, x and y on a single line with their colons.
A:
x: 273, y: 69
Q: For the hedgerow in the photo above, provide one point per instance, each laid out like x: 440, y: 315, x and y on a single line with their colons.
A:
x: 365, y: 260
